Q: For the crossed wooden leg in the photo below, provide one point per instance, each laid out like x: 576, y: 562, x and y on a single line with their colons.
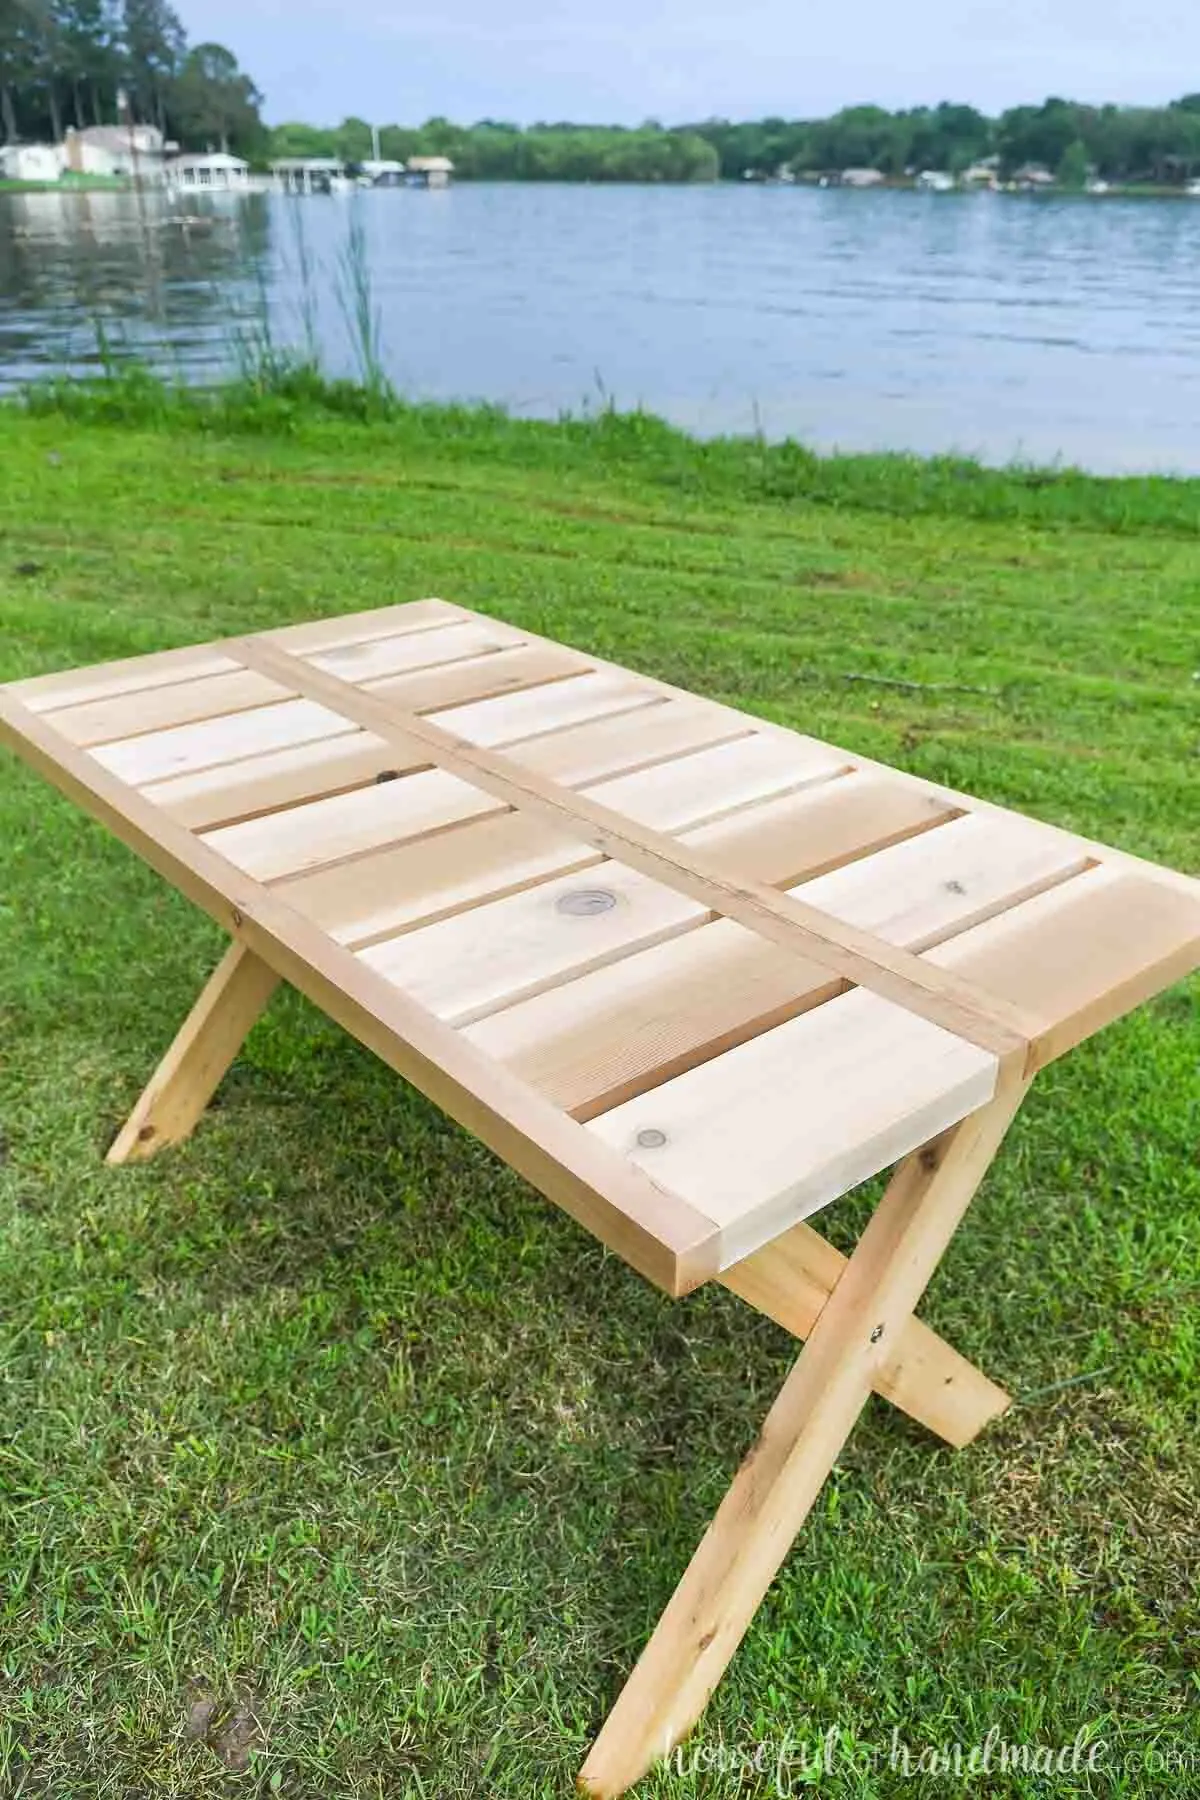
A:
x: 857, y: 1314
x: 865, y: 1316
x: 207, y: 1042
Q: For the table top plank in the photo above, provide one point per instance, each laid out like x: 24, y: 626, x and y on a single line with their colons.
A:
x: 1081, y: 955
x: 780, y: 1126
x: 183, y: 749
x: 371, y: 659
x: 94, y: 722
x: 485, y: 677
x: 410, y: 812
x: 129, y: 675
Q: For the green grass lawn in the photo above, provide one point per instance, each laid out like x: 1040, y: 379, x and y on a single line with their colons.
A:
x: 336, y: 1463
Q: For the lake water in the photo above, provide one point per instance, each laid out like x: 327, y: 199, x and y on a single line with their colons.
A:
x: 991, y: 324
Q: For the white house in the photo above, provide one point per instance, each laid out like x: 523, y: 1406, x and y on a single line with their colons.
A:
x: 215, y: 172
x: 935, y: 181
x: 134, y: 152
x: 862, y: 178
x: 32, y: 162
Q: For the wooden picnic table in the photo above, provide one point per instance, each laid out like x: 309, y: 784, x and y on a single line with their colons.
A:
x: 692, y: 974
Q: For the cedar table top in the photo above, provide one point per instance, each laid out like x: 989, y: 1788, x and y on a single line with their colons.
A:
x: 693, y: 974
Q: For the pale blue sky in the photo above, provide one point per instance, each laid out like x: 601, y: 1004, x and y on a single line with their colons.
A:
x: 626, y: 60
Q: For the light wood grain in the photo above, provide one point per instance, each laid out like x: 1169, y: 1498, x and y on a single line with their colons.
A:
x: 186, y: 748
x: 791, y: 1279
x: 325, y: 831
x: 155, y: 709
x: 258, y: 785
x: 403, y: 886
x: 777, y: 1128
x: 1082, y: 955
x: 801, y: 1439
x: 669, y: 1242
x: 533, y: 711
x: 480, y: 677
x: 408, y: 651
x: 207, y: 1042
x: 631, y: 740
x: 315, y: 635
x: 800, y: 929
x: 261, y: 784
x: 132, y: 674
x: 595, y: 1041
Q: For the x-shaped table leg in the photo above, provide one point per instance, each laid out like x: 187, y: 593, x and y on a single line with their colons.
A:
x: 773, y: 1492
x: 857, y: 1314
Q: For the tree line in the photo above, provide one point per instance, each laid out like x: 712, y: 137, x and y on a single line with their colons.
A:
x: 64, y: 63
x: 1125, y: 144
x: 1122, y: 144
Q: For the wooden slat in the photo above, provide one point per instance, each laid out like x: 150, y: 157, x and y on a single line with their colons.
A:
x: 156, y: 709
x: 481, y: 677
x: 717, y: 780
x: 507, y: 950
x: 800, y: 929
x: 400, y: 887
x: 433, y: 876
x: 668, y: 1241
x: 325, y: 831
x: 946, y: 880
x: 533, y: 711
x: 1083, y: 954
x: 493, y: 955
x: 132, y: 674
x: 281, y: 778
x: 260, y: 784
x: 635, y: 740
x: 593, y: 1042
x: 772, y: 1131
x: 412, y: 650
x: 360, y: 627
x: 184, y: 748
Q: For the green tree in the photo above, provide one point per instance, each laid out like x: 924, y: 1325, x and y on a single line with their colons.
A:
x: 1073, y: 168
x: 352, y: 140
x: 87, y: 57
x: 215, y: 104
x: 154, y: 45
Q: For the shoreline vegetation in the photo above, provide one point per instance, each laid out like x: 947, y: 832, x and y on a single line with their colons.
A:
x: 285, y: 395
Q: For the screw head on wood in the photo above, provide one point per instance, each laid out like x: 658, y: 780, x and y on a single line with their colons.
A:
x: 651, y: 1138
x: 584, y: 903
